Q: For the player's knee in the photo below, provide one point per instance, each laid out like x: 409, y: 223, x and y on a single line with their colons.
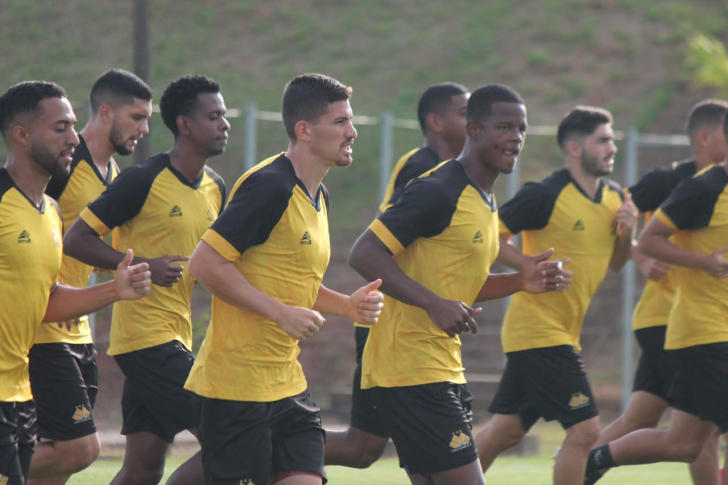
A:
x: 685, y: 451
x: 143, y: 474
x: 507, y: 438
x: 366, y: 457
x: 584, y: 434
x: 86, y: 453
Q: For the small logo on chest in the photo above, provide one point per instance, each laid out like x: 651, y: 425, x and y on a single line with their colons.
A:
x: 24, y: 237
x: 176, y: 211
x: 478, y: 238
x: 306, y: 238
x: 579, y: 225
x: 211, y: 214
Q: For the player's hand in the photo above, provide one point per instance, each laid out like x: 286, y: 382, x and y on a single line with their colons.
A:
x: 132, y: 282
x: 539, y: 275
x: 164, y: 271
x: 453, y: 317
x: 69, y: 324
x: 626, y: 218
x: 300, y: 323
x: 654, y: 269
x: 716, y: 265
x: 365, y: 304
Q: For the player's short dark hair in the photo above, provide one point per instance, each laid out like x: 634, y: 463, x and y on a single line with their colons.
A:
x: 581, y: 121
x: 481, y: 100
x: 25, y: 98
x: 436, y: 99
x: 117, y: 87
x: 181, y: 98
x: 308, y: 96
x: 708, y: 113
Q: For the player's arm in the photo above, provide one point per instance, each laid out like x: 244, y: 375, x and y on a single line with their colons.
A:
x: 651, y: 268
x: 647, y: 195
x: 655, y: 242
x: 536, y: 276
x: 626, y: 222
x: 363, y: 306
x: 372, y: 259
x: 223, y: 280
x: 131, y: 282
x: 509, y: 255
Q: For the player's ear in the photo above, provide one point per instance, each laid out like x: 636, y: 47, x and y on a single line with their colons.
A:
x: 21, y: 135
x: 473, y: 128
x: 106, y: 113
x: 573, y: 148
x: 303, y: 131
x: 433, y: 122
x: 183, y: 124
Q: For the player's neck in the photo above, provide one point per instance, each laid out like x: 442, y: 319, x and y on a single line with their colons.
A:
x: 99, y: 146
x: 441, y: 147
x: 28, y: 177
x: 482, y: 176
x: 309, y: 169
x: 589, y: 183
x: 703, y: 159
x: 188, y: 161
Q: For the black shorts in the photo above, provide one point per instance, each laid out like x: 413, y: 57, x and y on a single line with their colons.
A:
x: 64, y: 379
x: 430, y: 424
x: 550, y: 383
x: 154, y: 397
x: 701, y: 384
x: 364, y: 414
x: 17, y: 441
x: 656, y: 370
x: 252, y: 442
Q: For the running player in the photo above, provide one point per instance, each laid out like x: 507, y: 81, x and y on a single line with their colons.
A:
x: 441, y: 113
x: 263, y: 260
x: 63, y: 372
x: 159, y: 208
x: 432, y: 250
x: 585, y: 218
x: 37, y: 125
x: 655, y: 371
x: 689, y: 231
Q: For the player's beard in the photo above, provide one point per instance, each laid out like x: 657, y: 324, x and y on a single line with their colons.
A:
x: 117, y: 140
x: 48, y: 161
x: 593, y: 166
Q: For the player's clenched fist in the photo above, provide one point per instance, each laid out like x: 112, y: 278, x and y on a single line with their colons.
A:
x: 365, y: 304
x: 164, y: 270
x: 453, y: 317
x: 716, y: 265
x: 300, y: 323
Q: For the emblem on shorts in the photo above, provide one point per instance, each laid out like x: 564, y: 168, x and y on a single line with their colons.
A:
x: 24, y: 238
x: 82, y: 414
x: 478, y: 238
x: 579, y: 225
x: 459, y: 441
x: 3, y: 479
x: 579, y: 400
x: 306, y: 238
x: 176, y: 211
x: 244, y: 481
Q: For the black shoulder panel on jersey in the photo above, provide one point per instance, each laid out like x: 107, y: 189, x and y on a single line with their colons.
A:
x: 57, y: 185
x: 220, y: 185
x: 418, y: 163
x: 6, y: 182
x: 532, y: 206
x: 692, y: 203
x: 657, y: 185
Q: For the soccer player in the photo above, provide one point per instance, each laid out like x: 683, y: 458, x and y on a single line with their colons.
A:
x: 441, y: 113
x: 63, y: 372
x: 160, y: 208
x: 655, y: 371
x: 432, y: 250
x: 688, y: 231
x: 584, y: 217
x: 263, y: 260
x: 37, y: 125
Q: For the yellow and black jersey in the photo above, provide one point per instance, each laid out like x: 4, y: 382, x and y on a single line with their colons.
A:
x: 648, y: 194
x: 412, y: 164
x: 443, y: 234
x: 557, y: 213
x: 30, y: 257
x: 277, y: 236
x: 698, y: 210
x: 73, y: 193
x: 154, y: 210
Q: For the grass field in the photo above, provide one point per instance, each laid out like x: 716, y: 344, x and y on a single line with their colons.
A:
x: 507, y: 470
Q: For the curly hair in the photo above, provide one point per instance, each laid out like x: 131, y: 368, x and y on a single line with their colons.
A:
x: 25, y: 98
x: 180, y: 98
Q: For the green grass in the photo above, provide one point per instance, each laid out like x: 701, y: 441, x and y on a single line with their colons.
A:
x: 510, y: 470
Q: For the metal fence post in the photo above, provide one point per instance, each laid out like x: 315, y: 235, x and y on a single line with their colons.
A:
x: 386, y: 150
x: 628, y: 279
x: 251, y: 137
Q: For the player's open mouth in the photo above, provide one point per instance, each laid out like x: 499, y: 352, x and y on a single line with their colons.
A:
x: 67, y: 156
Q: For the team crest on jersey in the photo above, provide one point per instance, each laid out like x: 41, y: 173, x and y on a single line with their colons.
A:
x: 579, y: 400
x: 579, y: 225
x: 478, y: 238
x: 211, y: 214
x: 82, y: 414
x: 460, y: 441
x: 306, y: 238
x: 176, y: 211
x: 3, y: 479
x: 24, y: 237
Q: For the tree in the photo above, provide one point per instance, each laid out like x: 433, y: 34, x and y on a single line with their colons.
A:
x: 708, y: 57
